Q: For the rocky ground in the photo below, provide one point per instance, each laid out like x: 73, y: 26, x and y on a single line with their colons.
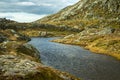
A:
x: 104, y: 41
x: 21, y: 61
x: 15, y: 68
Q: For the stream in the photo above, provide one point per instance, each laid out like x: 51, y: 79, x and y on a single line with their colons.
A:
x: 76, y: 60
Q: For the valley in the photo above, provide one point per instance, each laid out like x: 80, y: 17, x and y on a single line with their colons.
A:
x: 87, y: 44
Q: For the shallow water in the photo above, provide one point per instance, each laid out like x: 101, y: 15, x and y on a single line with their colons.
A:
x: 77, y: 61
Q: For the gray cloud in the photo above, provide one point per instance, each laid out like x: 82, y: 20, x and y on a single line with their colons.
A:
x: 38, y: 7
x: 34, y: 6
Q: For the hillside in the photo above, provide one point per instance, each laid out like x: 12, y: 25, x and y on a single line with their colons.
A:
x: 98, y: 20
x: 87, y: 13
x: 20, y: 60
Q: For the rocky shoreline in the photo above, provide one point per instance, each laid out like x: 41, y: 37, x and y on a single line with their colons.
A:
x: 102, y: 41
x: 98, y: 20
x: 21, y: 61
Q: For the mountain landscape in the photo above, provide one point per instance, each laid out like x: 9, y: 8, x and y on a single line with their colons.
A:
x: 21, y: 61
x: 92, y: 24
x: 98, y: 22
x: 87, y: 13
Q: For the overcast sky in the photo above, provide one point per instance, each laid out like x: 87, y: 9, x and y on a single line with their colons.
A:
x: 31, y: 10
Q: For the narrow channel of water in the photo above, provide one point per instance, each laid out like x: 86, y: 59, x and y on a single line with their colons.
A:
x: 77, y: 61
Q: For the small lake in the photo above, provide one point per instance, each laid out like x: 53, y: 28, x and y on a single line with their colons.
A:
x: 77, y: 61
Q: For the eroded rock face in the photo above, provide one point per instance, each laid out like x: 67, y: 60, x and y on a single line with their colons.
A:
x: 16, y: 68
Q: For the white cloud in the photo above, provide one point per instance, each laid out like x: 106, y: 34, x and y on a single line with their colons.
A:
x: 21, y: 17
x: 69, y: 2
x: 32, y: 4
x: 45, y: 4
x: 31, y: 9
x: 25, y: 3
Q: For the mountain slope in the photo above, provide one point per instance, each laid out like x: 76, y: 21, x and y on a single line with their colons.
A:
x: 99, y: 21
x: 86, y: 13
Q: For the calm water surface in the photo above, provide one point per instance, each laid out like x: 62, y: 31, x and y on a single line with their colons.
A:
x: 77, y: 61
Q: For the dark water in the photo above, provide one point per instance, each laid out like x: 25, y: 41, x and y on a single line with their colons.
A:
x: 77, y: 61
